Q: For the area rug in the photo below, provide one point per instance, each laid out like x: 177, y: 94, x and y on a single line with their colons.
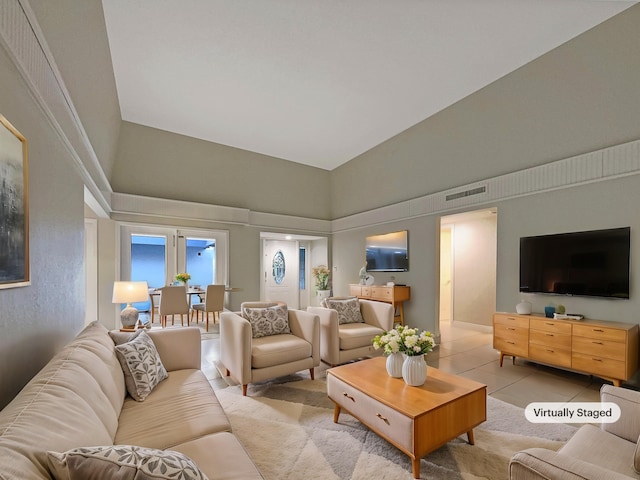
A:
x: 287, y: 428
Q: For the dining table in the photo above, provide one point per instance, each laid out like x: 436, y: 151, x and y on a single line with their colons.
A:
x: 191, y: 291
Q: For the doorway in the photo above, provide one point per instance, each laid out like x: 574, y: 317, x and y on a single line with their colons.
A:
x: 156, y: 255
x: 468, y: 266
x: 288, y: 259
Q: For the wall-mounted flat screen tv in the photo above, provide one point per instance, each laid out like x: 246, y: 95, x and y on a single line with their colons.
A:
x: 593, y: 263
x: 388, y: 252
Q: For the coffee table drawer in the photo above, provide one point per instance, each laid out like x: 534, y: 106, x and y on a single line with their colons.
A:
x: 380, y: 418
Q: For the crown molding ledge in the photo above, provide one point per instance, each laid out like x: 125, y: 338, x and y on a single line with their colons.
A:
x: 601, y: 165
x: 127, y: 207
x: 25, y: 44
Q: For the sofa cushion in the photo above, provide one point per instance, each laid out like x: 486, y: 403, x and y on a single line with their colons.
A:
x: 356, y: 335
x: 278, y: 349
x: 592, y: 444
x: 181, y: 408
x: 141, y: 364
x: 348, y: 310
x: 74, y: 400
x: 265, y: 321
x: 123, y: 462
x: 221, y: 456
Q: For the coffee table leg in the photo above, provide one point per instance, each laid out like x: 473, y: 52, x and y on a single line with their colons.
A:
x: 336, y: 413
x: 470, y: 437
x: 415, y: 466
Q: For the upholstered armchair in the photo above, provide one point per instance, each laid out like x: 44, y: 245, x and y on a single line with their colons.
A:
x: 345, y: 337
x: 268, y: 340
x: 609, y: 451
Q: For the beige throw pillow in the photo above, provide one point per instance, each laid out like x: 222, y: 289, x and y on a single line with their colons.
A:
x: 141, y: 364
x: 267, y: 321
x: 348, y: 309
x: 122, y: 462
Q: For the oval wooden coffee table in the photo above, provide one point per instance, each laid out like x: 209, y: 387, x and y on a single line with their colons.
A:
x: 417, y: 420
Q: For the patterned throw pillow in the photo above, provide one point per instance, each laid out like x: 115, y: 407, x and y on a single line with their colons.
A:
x: 141, y: 365
x: 124, y: 462
x: 267, y: 321
x: 348, y: 310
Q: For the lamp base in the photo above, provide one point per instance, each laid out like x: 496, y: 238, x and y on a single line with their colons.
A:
x: 129, y: 317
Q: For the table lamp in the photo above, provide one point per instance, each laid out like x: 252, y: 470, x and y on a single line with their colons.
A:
x: 129, y: 292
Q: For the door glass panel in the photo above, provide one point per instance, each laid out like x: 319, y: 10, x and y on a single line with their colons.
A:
x: 148, y: 262
x: 278, y: 267
x: 303, y: 267
x: 200, y: 262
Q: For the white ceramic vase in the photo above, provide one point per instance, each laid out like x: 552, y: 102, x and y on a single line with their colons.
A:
x: 323, y: 294
x: 414, y: 370
x: 394, y: 365
x: 523, y: 308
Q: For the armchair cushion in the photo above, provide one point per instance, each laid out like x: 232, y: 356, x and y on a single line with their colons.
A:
x: 356, y: 335
x: 592, y: 444
x: 277, y: 350
x: 267, y: 320
x: 348, y: 309
x: 141, y: 365
x: 629, y: 403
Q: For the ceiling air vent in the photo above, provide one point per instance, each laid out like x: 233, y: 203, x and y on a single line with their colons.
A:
x: 467, y: 193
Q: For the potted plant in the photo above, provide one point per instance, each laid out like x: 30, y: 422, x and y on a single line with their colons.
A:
x: 183, y: 277
x: 321, y: 277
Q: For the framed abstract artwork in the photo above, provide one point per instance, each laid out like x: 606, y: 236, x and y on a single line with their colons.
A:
x: 14, y: 208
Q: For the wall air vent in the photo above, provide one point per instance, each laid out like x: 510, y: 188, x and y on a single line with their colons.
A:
x: 466, y: 193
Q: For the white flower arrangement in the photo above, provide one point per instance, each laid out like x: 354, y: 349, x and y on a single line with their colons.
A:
x: 407, y: 340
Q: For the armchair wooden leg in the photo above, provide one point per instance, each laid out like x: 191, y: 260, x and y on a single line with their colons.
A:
x: 244, y: 390
x: 312, y: 372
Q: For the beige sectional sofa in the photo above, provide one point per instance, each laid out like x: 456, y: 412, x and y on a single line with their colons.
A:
x: 611, y: 452
x: 79, y: 399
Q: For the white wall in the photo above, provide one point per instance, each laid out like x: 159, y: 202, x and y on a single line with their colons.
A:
x: 474, y: 276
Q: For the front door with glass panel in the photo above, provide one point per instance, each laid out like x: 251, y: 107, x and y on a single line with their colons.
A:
x: 281, y: 259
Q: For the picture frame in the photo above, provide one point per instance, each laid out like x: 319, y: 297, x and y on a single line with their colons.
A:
x: 14, y: 207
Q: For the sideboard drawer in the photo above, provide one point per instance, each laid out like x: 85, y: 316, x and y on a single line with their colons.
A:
x: 382, y: 293
x: 599, y: 348
x: 601, y: 333
x: 513, y: 340
x: 553, y: 340
x: 553, y: 326
x: 382, y: 419
x: 511, y: 320
x: 550, y: 355
x: 598, y: 366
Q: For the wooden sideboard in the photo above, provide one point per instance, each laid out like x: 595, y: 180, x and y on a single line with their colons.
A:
x: 606, y: 349
x: 395, y: 295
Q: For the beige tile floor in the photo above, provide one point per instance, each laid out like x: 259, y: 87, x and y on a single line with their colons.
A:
x: 468, y: 352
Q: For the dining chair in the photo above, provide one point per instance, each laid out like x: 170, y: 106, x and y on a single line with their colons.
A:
x: 213, y: 303
x: 153, y: 308
x: 173, y: 301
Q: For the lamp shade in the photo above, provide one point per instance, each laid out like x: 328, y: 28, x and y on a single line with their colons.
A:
x: 129, y: 292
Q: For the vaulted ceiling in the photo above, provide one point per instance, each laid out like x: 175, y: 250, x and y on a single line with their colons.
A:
x: 321, y: 82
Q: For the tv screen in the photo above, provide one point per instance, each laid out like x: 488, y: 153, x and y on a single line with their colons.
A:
x: 593, y: 263
x: 388, y: 252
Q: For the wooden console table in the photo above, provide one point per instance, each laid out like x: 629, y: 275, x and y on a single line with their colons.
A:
x: 395, y: 295
x: 606, y: 349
